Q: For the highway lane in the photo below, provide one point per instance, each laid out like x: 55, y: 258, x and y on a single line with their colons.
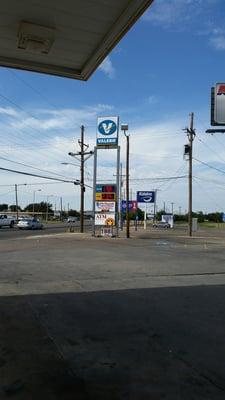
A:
x: 50, y: 228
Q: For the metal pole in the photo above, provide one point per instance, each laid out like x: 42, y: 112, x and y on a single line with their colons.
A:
x: 82, y: 181
x: 155, y: 206
x: 94, y: 189
x: 17, y: 214
x: 60, y: 208
x: 172, y: 207
x: 121, y: 197
x: 127, y: 188
x: 33, y: 201
x: 117, y: 191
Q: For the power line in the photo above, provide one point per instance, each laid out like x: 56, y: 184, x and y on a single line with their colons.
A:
x: 76, y: 182
x: 209, y: 166
x: 30, y: 166
x: 159, y: 179
x: 207, y: 146
x: 208, y: 194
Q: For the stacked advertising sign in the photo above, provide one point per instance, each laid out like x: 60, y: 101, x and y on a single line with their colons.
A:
x: 146, y: 197
x: 218, y: 104
x: 107, y: 131
x: 105, y: 204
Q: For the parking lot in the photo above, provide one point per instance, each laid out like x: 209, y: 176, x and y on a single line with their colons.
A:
x: 112, y: 318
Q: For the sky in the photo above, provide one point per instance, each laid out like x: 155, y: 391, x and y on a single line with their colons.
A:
x: 159, y: 73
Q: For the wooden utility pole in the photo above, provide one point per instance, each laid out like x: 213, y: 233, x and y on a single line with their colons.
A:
x: 81, y: 154
x: 82, y: 188
x: 191, y: 136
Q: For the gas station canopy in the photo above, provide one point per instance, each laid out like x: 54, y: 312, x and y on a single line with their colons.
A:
x: 69, y: 38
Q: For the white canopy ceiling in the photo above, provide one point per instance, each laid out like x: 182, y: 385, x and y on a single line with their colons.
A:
x: 68, y: 38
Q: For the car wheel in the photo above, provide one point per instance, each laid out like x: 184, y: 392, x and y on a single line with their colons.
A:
x: 11, y: 225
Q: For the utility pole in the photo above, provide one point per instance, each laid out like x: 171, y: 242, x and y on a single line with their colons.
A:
x: 164, y: 207
x: 82, y: 188
x: 191, y: 135
x: 17, y: 214
x: 81, y: 154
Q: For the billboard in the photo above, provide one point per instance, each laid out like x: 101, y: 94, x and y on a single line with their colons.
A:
x: 107, y: 131
x: 146, y: 197
x: 218, y: 104
x: 106, y: 219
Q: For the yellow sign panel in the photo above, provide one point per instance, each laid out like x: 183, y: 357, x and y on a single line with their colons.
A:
x: 105, y: 196
x: 98, y: 196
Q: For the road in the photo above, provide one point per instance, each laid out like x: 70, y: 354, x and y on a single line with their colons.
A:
x: 50, y: 228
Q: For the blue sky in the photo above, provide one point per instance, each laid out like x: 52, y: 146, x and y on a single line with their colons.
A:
x: 160, y: 72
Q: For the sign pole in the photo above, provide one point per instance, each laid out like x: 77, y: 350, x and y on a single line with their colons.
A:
x: 94, y: 189
x: 117, y: 190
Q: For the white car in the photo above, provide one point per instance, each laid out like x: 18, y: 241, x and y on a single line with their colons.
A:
x: 161, y: 224
x: 30, y: 223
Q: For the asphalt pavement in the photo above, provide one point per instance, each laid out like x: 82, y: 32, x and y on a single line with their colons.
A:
x: 113, y: 318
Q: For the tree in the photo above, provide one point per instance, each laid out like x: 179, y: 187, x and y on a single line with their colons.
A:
x: 3, y: 207
x: 13, y: 208
x: 39, y: 207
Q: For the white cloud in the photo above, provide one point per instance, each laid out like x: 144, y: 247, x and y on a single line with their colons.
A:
x: 9, y: 111
x: 218, y: 42
x: 156, y: 150
x: 107, y: 68
x: 173, y: 13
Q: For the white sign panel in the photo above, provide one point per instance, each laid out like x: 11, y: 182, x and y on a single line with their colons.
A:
x: 106, y: 206
x: 218, y: 105
x: 107, y: 131
x: 107, y: 219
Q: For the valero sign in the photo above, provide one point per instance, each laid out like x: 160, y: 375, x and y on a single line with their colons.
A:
x: 107, y: 131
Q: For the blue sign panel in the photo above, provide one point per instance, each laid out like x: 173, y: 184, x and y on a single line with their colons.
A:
x: 107, y: 140
x: 146, y: 197
x: 223, y: 217
x: 132, y: 205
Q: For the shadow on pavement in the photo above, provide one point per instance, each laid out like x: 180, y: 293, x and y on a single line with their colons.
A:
x: 166, y: 343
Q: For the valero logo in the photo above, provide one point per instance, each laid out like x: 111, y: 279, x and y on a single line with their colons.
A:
x: 221, y: 90
x: 107, y: 127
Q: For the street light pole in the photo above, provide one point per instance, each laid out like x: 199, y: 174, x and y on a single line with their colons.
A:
x: 172, y: 204
x: 38, y: 190
x: 50, y: 195
x: 17, y: 213
x: 124, y: 128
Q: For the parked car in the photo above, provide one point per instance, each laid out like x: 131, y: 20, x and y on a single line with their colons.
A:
x: 72, y: 219
x: 30, y: 223
x: 161, y: 224
x: 6, y: 220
